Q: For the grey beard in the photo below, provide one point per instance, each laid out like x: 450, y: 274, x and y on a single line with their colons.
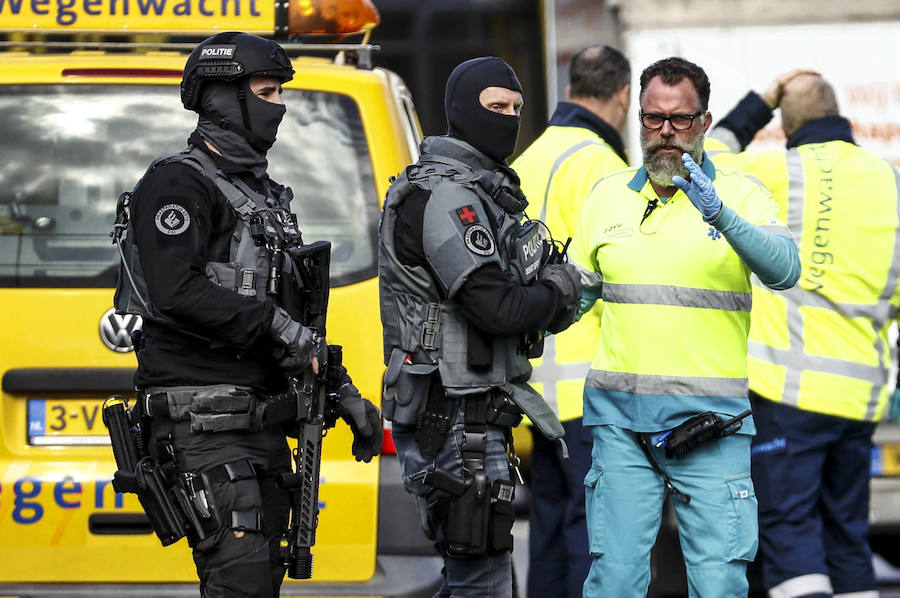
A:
x: 661, y: 169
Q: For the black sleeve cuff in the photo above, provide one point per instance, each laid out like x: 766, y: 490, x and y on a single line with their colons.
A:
x: 746, y: 119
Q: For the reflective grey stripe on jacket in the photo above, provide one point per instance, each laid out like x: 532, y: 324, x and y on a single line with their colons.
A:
x: 796, y: 358
x: 550, y: 372
x: 557, y: 164
x: 651, y: 384
x: 649, y: 294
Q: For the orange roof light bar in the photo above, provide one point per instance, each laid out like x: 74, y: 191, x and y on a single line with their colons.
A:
x: 332, y: 17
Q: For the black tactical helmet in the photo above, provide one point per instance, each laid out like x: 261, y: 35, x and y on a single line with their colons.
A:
x: 228, y: 56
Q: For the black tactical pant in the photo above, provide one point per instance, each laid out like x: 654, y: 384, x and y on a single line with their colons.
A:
x: 234, y: 562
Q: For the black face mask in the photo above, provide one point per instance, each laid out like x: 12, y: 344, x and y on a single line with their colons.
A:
x: 242, y: 111
x: 490, y: 133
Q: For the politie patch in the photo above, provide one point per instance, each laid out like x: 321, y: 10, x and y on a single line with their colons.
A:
x: 172, y: 219
x: 217, y: 52
x: 479, y: 240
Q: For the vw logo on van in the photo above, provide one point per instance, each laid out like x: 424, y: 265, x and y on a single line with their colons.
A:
x: 115, y: 330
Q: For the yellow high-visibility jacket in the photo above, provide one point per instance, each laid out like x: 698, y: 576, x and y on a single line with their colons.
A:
x: 676, y: 301
x: 823, y: 345
x: 557, y: 172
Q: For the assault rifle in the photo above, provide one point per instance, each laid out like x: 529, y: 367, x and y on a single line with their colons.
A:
x: 314, y: 416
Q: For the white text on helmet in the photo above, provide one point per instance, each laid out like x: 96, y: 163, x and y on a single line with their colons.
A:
x: 217, y: 52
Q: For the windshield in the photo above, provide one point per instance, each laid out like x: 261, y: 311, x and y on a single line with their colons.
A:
x: 69, y: 151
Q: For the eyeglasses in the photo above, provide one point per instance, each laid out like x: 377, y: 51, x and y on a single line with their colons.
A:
x: 679, y: 122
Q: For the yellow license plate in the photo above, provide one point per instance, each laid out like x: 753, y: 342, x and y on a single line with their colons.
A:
x: 66, y: 421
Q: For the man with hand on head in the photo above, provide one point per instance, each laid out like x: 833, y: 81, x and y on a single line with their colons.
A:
x: 819, y: 353
x: 670, y: 248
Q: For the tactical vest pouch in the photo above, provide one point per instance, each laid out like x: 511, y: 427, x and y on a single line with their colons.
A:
x: 526, y: 251
x: 405, y: 388
x: 215, y: 408
x: 537, y: 410
x: 503, y: 411
x: 243, y: 281
x: 500, y: 537
x: 131, y: 285
x: 221, y: 408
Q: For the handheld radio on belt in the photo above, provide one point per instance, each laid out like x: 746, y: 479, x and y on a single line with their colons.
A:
x: 700, y: 428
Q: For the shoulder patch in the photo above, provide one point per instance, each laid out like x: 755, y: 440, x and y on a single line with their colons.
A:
x: 479, y: 240
x: 172, y: 219
x: 467, y: 215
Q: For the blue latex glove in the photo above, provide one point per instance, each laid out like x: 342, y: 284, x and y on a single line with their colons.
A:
x: 894, y: 415
x: 699, y: 189
x: 589, y: 296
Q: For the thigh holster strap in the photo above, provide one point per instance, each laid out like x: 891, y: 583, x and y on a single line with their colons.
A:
x: 231, y: 472
x: 246, y: 521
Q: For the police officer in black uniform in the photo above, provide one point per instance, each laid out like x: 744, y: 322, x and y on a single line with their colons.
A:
x: 467, y: 291
x: 215, y: 289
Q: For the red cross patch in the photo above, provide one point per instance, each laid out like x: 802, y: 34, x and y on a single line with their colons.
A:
x: 467, y: 215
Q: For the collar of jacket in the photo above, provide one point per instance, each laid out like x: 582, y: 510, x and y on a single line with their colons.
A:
x: 221, y: 162
x: 568, y: 114
x: 229, y: 167
x: 457, y: 149
x: 828, y: 128
x: 498, y: 180
x: 640, y: 177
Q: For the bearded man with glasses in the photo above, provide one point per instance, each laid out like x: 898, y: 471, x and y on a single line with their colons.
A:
x: 669, y: 247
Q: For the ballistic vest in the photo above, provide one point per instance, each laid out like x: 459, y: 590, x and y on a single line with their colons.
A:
x: 558, y: 171
x: 264, y: 230
x: 472, y: 218
x: 823, y: 345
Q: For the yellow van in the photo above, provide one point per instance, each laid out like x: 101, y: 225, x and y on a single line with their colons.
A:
x: 80, y: 121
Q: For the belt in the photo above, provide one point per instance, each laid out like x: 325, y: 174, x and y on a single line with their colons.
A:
x: 245, y: 411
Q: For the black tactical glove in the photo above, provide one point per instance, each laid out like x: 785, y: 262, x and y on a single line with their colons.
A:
x: 567, y: 282
x: 298, y: 341
x: 364, y: 419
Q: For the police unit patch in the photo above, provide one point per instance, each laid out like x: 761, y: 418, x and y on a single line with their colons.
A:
x: 172, y: 219
x: 213, y: 52
x: 467, y: 215
x: 479, y: 240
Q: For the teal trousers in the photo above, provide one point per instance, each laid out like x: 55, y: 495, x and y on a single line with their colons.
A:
x: 624, y: 501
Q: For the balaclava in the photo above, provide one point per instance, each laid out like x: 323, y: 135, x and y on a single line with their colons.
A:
x: 220, y: 100
x: 490, y: 133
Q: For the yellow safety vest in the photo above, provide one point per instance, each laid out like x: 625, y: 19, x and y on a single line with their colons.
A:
x: 823, y: 345
x: 676, y: 301
x: 557, y: 172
